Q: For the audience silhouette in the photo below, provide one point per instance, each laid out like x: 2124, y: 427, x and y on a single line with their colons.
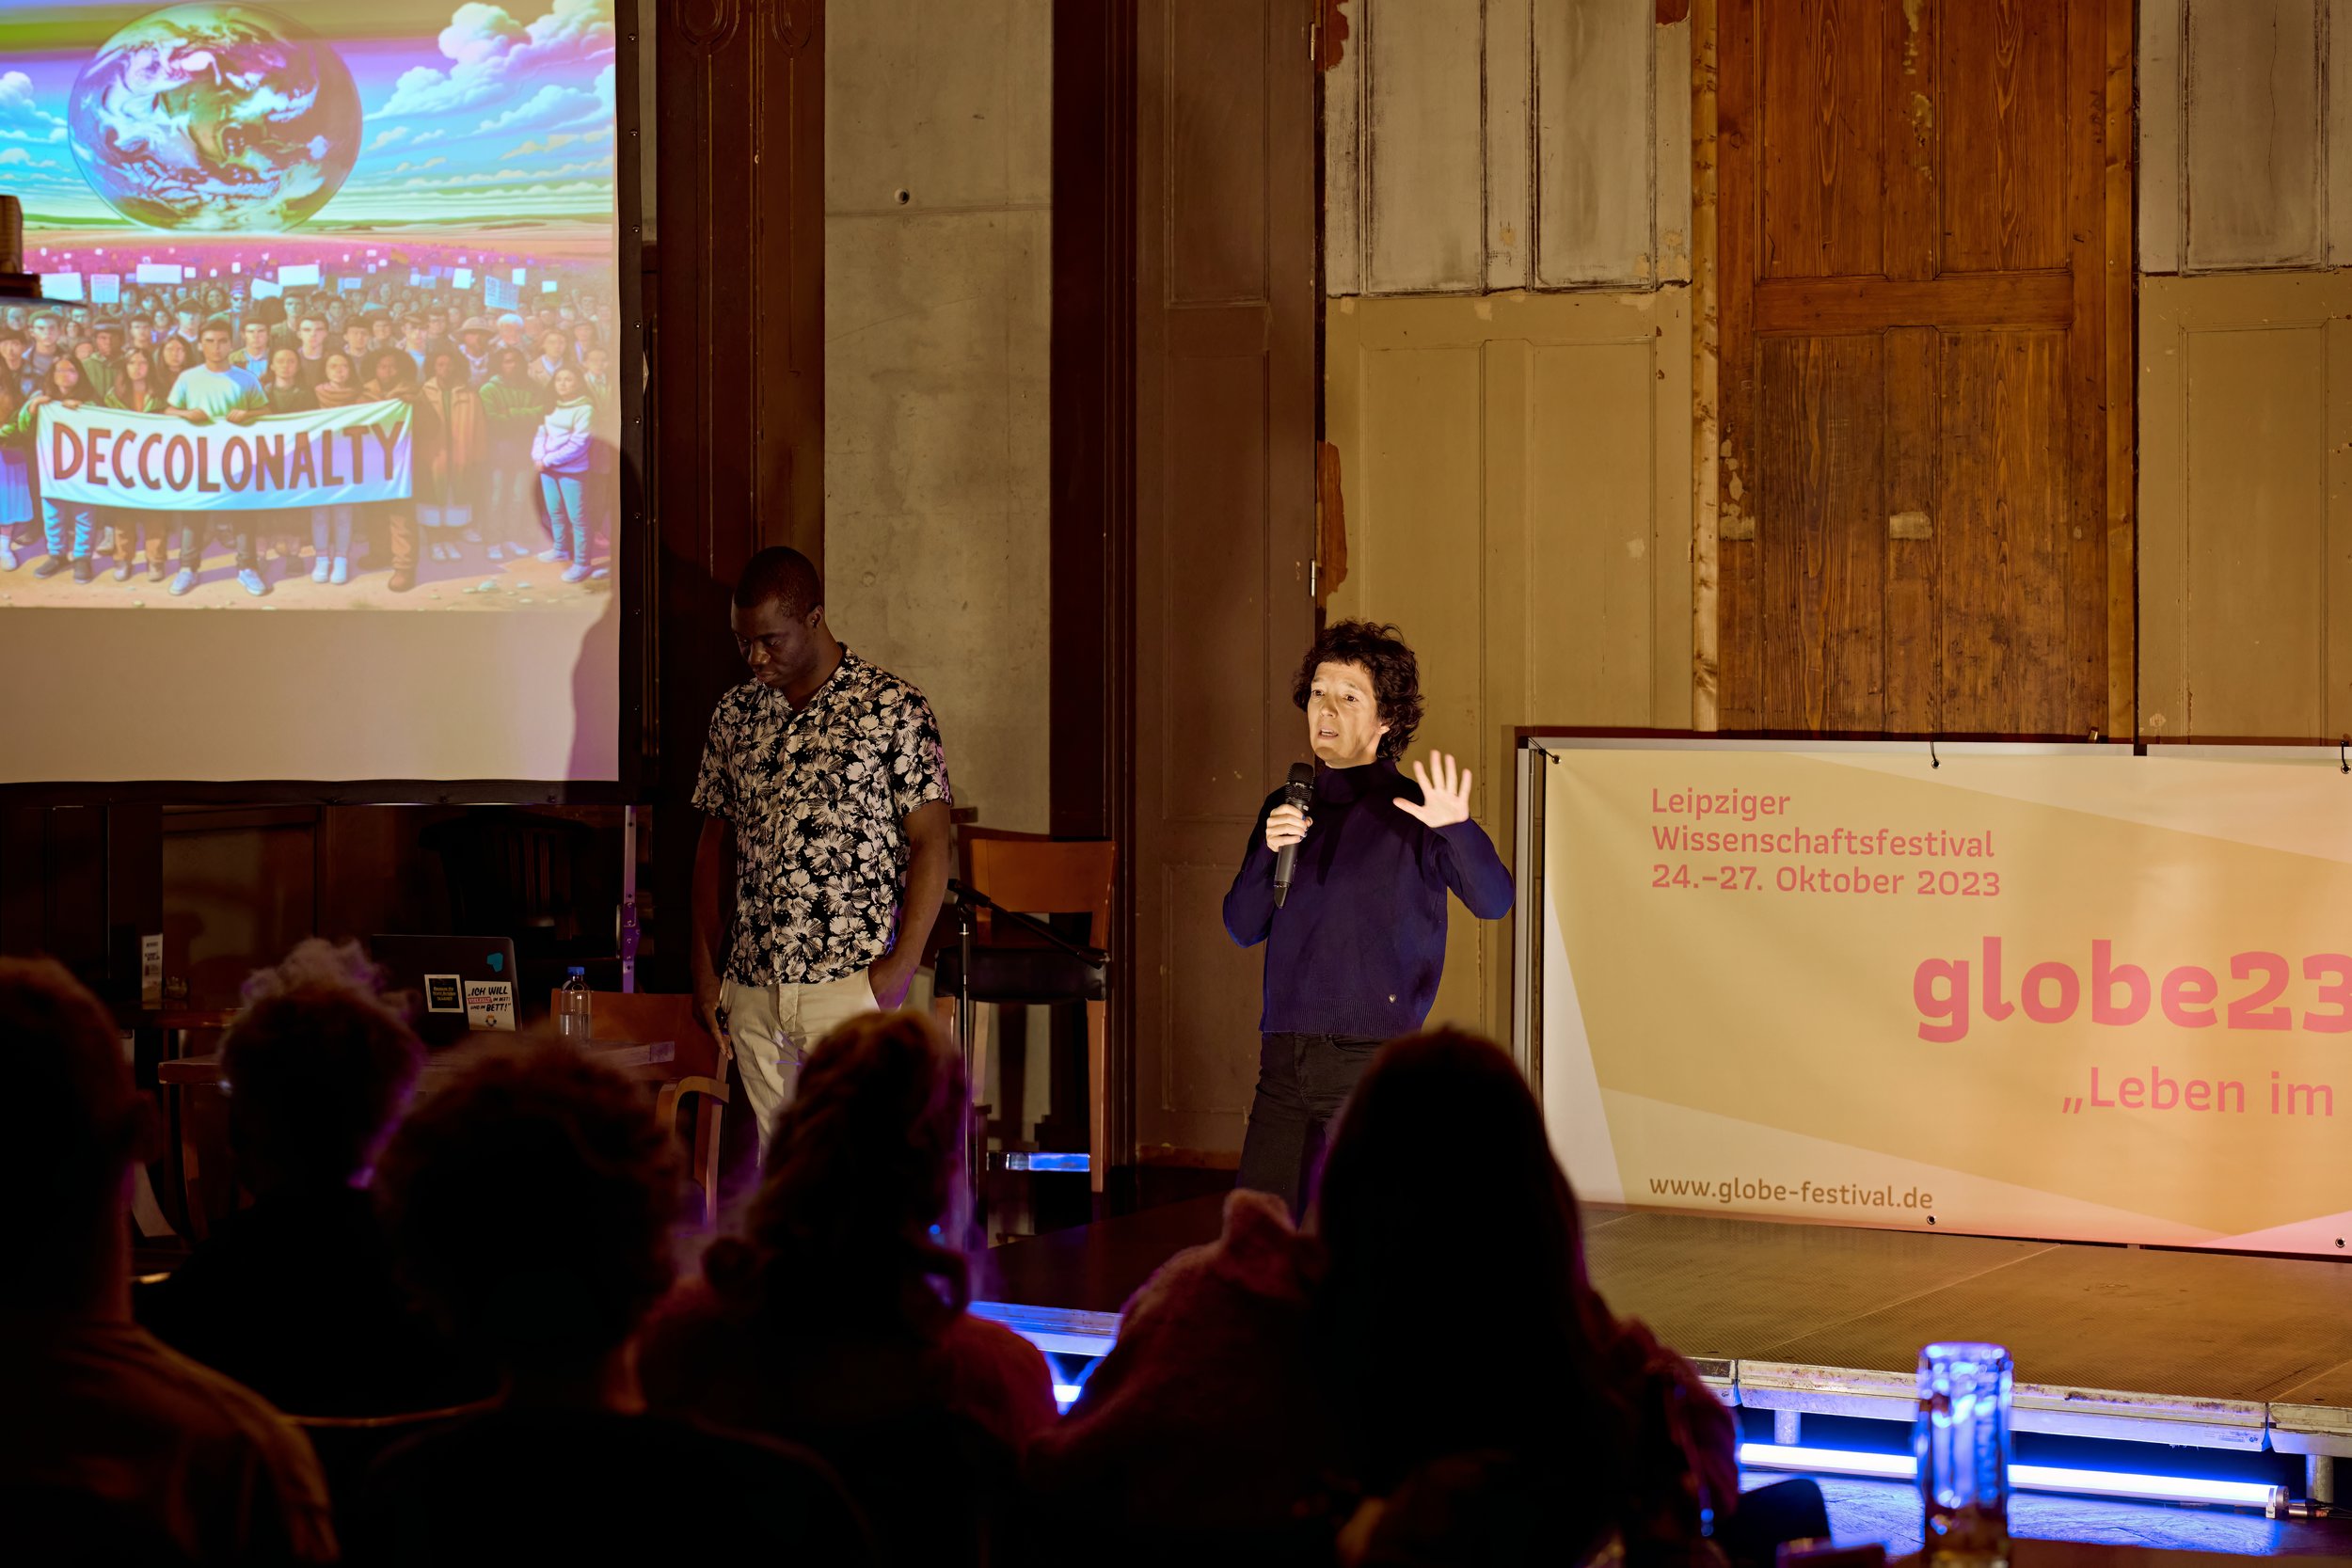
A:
x: 838, y: 1322
x: 1422, y: 1375
x: 529, y: 1206
x: 1446, y: 1225
x: 113, y: 1446
x: 294, y: 1295
x: 1426, y: 1375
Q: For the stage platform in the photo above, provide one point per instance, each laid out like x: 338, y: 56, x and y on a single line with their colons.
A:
x: 2205, y: 1350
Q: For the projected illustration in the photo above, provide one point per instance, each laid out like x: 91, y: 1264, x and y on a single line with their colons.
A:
x: 331, y: 315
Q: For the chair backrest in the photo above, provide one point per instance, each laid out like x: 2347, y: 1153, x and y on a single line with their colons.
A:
x: 346, y: 1446
x: 936, y: 1487
x: 1038, y: 875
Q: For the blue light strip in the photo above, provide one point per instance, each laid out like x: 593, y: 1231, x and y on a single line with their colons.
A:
x: 2027, y: 1478
x: 1026, y: 1160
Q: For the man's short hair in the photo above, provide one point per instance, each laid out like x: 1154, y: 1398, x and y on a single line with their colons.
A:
x: 1395, y: 676
x: 318, y: 1063
x: 530, y: 1206
x: 783, y: 575
x: 219, y: 324
x: 309, y: 316
x: 63, y: 1160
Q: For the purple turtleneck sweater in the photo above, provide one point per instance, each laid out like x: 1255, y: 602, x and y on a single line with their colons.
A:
x: 1358, y: 947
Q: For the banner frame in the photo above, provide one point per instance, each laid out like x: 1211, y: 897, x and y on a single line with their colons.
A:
x: 1538, y: 747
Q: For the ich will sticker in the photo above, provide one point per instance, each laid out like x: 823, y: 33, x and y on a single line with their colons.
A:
x: 490, y: 1005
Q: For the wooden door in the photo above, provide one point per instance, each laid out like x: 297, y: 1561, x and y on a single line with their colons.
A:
x: 735, y: 264
x: 1926, y: 264
x: 1225, y: 435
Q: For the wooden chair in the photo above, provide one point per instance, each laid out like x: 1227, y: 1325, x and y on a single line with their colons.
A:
x: 698, y: 1070
x: 1039, y: 874
x: 346, y: 1446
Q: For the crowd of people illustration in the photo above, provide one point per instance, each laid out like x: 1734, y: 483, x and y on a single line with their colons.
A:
x: 513, y: 428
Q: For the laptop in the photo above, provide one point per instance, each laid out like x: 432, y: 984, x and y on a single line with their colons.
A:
x: 457, y: 984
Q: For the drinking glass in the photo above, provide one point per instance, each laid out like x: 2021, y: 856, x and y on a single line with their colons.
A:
x: 1962, y: 1441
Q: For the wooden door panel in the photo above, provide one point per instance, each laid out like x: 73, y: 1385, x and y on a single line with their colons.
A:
x: 1818, y: 402
x: 1925, y: 251
x: 1820, y: 137
x: 1914, y: 411
x: 1213, y: 95
x: 2002, y: 102
x: 1225, y: 434
x: 1212, y: 587
x: 2001, y: 531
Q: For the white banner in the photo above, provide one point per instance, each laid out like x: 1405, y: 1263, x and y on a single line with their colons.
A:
x: 158, y: 462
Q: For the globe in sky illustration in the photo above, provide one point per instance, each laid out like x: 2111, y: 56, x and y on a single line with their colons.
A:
x: 215, y: 118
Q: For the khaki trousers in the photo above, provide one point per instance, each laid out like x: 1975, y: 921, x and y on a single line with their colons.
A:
x: 776, y: 1027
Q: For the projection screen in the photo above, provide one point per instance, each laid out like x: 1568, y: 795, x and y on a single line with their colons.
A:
x: 311, y: 455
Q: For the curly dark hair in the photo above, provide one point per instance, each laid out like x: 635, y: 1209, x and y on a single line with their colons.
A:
x: 318, y: 1065
x: 529, y: 1206
x: 1395, y: 674
x: 862, y: 1169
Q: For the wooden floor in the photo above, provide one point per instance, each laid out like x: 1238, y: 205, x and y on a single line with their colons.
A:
x: 2205, y: 1350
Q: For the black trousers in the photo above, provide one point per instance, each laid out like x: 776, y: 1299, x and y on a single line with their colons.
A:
x: 1303, y: 1080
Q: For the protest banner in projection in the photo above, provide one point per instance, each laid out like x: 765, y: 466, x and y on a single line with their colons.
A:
x: 157, y: 462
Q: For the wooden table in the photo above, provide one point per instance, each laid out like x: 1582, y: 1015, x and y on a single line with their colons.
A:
x: 649, y: 1060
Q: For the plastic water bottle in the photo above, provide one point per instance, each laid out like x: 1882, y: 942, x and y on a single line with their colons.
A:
x: 572, y: 1013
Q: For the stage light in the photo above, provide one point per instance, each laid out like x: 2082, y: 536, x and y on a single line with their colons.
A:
x: 1828, y: 1461
x: 2122, y: 1485
x: 1065, y: 1395
x: 2159, y: 1489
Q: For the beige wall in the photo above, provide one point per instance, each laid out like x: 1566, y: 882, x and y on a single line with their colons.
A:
x: 2246, y: 367
x: 2245, y: 505
x: 1518, y: 503
x: 2245, y: 134
x: 936, y: 323
x: 1485, y: 145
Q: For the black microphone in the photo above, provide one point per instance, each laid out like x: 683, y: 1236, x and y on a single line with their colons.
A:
x: 1300, y: 790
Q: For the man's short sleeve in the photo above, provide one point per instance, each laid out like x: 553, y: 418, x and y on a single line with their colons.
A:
x: 918, y: 759
x: 180, y: 390
x: 714, y: 784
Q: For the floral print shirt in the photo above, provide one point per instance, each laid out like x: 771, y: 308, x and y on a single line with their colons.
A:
x: 817, y: 798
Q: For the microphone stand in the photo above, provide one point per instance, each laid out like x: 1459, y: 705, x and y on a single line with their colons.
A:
x: 967, y: 900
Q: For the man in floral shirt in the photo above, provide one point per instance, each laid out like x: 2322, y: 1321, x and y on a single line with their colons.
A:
x: 825, y: 789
